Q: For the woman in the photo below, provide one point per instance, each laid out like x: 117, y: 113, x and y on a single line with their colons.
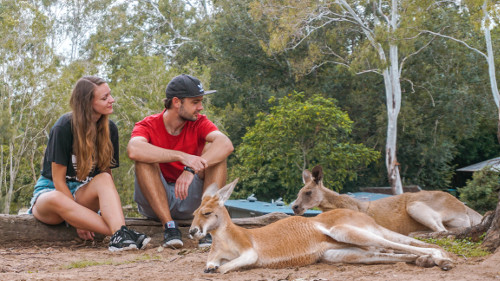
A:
x: 76, y: 179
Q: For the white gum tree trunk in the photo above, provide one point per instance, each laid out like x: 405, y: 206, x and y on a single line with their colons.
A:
x: 490, y: 58
x: 393, y: 102
x: 391, y: 74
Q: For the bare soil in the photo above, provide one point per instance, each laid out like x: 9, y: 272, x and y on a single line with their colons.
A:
x: 92, y: 261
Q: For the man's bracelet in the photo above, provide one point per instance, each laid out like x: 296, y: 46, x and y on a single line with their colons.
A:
x: 186, y: 168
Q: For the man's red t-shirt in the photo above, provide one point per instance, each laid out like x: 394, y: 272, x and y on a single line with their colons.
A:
x: 191, y: 140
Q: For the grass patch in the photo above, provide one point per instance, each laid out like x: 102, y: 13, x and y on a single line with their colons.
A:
x: 87, y: 263
x: 461, y: 247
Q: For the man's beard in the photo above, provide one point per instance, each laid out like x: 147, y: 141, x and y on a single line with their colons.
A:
x: 186, y: 117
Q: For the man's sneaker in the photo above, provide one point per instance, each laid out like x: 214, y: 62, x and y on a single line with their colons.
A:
x: 141, y: 239
x: 205, y: 241
x: 122, y: 240
x: 172, y: 238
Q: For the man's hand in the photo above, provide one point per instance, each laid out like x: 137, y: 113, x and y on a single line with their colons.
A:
x: 182, y: 185
x: 194, y: 162
x: 85, y: 234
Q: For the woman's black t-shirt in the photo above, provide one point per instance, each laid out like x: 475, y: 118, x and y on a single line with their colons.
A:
x: 60, y: 149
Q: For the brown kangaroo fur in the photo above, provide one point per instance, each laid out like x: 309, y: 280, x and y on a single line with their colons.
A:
x: 404, y: 213
x: 340, y: 235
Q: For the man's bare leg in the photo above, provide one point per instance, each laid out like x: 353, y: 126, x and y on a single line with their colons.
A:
x: 148, y: 178
x: 215, y: 174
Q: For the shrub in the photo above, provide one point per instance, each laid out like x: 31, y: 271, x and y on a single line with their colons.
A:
x: 481, y: 193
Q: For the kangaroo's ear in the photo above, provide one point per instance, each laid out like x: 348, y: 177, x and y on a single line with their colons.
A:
x: 211, y: 190
x: 225, y: 192
x: 317, y: 174
x: 306, y: 176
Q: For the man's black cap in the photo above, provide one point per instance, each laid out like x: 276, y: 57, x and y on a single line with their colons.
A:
x: 185, y: 86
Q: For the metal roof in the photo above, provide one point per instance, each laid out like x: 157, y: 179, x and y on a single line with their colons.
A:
x: 494, y: 163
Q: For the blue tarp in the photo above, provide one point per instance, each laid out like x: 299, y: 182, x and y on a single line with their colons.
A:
x: 238, y: 208
x: 244, y: 208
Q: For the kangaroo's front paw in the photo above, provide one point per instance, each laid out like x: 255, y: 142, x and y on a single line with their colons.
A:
x: 211, y: 269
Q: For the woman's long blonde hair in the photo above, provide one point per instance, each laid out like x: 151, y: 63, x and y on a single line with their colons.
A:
x: 91, y: 141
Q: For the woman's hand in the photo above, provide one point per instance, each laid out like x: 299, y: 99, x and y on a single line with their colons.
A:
x: 85, y: 234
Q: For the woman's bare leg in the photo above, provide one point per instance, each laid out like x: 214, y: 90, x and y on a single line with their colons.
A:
x: 54, y: 207
x: 101, y: 194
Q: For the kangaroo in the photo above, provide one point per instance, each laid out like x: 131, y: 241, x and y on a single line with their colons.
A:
x: 339, y: 235
x: 422, y: 211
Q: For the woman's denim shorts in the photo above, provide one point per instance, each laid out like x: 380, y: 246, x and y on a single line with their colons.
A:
x: 45, y: 185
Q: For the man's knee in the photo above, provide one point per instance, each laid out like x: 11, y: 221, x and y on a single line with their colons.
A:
x: 146, y: 171
x: 216, y: 174
x: 142, y: 167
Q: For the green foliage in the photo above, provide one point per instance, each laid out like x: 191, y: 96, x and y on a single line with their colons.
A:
x: 481, y: 193
x: 297, y: 134
x: 461, y: 247
x: 28, y: 66
x: 248, y: 51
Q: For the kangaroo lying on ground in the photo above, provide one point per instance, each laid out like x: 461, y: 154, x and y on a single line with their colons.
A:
x: 337, y: 236
x: 404, y: 213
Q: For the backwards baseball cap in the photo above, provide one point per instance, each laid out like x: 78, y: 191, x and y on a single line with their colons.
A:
x: 186, y: 86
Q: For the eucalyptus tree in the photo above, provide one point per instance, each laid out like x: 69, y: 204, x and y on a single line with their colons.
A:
x: 484, y: 16
x: 384, y: 32
x: 27, y: 65
x: 145, y: 28
x: 75, y: 21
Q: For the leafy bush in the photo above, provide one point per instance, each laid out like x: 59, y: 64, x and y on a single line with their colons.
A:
x: 297, y: 134
x: 481, y: 193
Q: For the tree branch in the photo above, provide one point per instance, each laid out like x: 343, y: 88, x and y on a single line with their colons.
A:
x: 456, y: 40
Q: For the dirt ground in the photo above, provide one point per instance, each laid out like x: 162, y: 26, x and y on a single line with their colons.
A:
x: 87, y: 261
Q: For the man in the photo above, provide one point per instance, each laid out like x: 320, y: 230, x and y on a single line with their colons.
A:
x: 177, y: 154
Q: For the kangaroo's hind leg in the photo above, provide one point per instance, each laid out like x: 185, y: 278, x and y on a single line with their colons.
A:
x: 371, y: 237
x: 358, y: 255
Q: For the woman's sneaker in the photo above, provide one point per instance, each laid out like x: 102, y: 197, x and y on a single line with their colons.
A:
x: 141, y: 239
x: 122, y: 240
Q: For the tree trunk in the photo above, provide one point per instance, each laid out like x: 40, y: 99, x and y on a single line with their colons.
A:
x: 2, y: 178
x: 492, y: 239
x: 12, y: 179
x: 393, y: 101
x: 392, y: 89
x: 490, y: 58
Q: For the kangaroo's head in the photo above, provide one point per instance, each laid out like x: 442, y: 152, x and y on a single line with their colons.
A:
x: 212, y: 213
x: 310, y: 195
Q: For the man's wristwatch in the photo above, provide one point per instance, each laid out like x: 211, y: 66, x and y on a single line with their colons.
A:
x: 186, y: 168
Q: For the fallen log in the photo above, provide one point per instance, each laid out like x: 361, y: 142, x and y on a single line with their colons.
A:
x: 15, y: 229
